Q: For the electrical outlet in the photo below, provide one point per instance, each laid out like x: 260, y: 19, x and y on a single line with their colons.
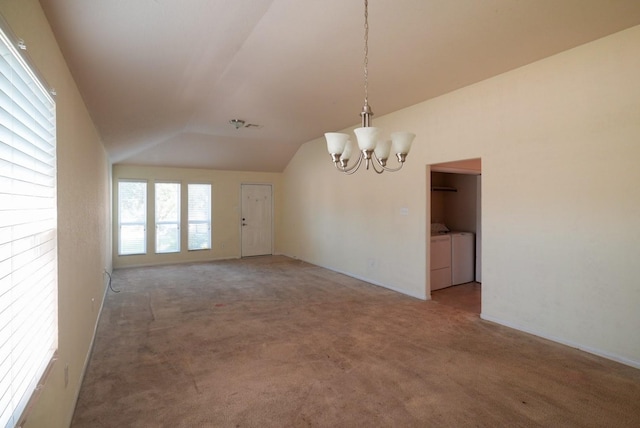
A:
x: 66, y: 375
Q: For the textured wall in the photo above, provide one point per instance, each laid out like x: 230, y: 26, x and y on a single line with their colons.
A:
x: 559, y: 145
x: 83, y: 216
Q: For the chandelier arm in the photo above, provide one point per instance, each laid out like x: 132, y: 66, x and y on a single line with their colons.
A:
x: 384, y: 167
x: 377, y: 164
x: 353, y: 168
x: 398, y: 168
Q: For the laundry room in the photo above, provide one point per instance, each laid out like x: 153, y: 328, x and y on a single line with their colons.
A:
x: 455, y: 244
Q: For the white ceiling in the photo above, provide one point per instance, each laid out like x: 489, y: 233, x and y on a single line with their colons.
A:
x: 162, y: 78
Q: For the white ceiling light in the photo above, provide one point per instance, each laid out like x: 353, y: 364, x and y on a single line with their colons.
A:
x: 373, y: 150
x: 238, y: 123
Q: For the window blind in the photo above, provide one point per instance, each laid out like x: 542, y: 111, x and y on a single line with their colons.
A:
x: 28, y: 233
x: 132, y: 217
x: 199, y: 216
x: 167, y: 217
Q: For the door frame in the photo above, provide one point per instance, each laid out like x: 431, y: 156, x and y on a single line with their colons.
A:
x: 459, y: 166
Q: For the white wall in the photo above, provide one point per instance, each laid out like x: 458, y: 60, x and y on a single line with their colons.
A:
x: 460, y: 206
x: 84, y: 220
x: 559, y: 142
x: 356, y: 224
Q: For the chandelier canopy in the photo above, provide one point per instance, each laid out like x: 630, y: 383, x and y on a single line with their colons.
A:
x: 374, y: 150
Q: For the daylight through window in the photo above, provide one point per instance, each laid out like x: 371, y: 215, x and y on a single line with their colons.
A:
x: 132, y: 217
x: 167, y: 217
x: 28, y: 232
x: 199, y: 216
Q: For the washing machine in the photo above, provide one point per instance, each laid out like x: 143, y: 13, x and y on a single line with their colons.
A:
x: 440, y: 261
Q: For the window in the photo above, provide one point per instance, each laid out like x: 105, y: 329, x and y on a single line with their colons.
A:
x: 28, y: 232
x: 132, y: 217
x: 199, y: 216
x: 167, y: 217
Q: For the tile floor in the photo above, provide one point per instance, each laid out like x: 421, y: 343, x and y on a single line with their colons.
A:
x: 464, y: 296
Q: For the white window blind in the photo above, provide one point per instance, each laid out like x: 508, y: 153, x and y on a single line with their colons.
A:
x: 167, y: 217
x: 28, y: 233
x: 132, y: 217
x: 199, y: 216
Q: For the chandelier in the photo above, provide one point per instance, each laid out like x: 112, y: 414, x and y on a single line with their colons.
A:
x: 374, y: 150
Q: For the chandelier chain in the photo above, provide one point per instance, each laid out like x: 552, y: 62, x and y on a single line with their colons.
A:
x: 366, y: 52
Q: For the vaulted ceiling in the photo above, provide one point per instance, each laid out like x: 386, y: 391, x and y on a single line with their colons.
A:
x: 163, y: 78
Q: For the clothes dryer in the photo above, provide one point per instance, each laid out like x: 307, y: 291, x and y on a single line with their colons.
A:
x: 462, y: 257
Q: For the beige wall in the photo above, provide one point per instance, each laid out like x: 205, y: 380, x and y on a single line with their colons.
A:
x: 460, y: 206
x: 357, y: 224
x: 83, y: 217
x: 559, y: 143
x: 456, y: 209
x: 225, y: 214
x: 437, y: 198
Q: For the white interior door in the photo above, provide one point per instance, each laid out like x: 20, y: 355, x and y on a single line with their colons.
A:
x: 256, y: 220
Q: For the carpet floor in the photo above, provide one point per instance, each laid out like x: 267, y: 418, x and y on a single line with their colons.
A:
x: 275, y: 342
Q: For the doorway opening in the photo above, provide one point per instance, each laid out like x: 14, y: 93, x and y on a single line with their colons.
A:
x: 455, y: 242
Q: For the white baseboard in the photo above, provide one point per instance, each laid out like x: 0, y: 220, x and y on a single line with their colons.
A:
x: 368, y: 280
x: 87, y: 358
x: 176, y: 262
x: 582, y: 347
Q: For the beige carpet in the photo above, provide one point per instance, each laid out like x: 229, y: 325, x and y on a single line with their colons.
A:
x: 274, y: 342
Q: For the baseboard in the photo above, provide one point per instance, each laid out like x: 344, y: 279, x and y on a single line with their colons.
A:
x: 177, y: 262
x: 368, y: 280
x: 584, y: 348
x: 87, y: 359
x: 379, y: 284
